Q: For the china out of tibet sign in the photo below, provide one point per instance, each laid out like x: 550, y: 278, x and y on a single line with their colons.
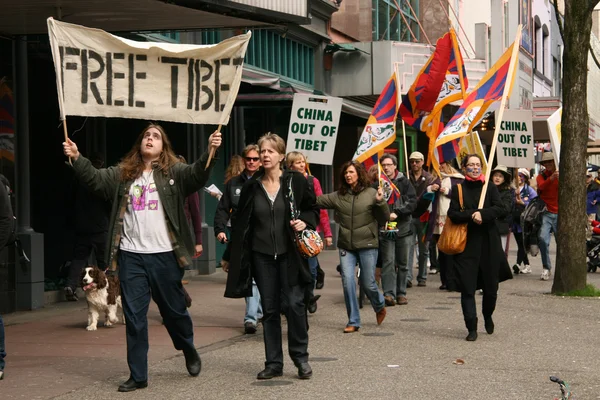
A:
x: 515, y: 140
x: 314, y: 127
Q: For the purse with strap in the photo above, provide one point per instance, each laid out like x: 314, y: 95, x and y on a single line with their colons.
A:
x: 453, y: 239
x: 308, y: 242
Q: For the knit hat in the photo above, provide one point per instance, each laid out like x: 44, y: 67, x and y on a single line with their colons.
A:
x: 525, y: 172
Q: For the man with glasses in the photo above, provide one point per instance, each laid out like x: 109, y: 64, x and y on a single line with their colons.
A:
x: 225, y: 209
x: 425, y: 184
x: 395, y: 246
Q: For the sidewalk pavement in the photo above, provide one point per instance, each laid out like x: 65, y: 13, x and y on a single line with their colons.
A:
x: 412, y: 355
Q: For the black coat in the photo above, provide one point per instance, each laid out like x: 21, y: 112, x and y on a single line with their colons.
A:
x: 229, y: 202
x: 483, y: 263
x: 239, y: 248
x: 507, y: 197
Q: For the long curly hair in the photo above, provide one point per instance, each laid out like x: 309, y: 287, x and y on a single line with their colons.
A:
x: 236, y: 167
x: 132, y: 165
x: 361, y: 184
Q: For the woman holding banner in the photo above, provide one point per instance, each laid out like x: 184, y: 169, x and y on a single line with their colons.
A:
x: 150, y: 240
x: 262, y: 247
x: 360, y: 210
x: 482, y: 265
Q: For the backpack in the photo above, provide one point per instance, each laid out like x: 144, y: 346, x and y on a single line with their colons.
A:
x: 531, y: 222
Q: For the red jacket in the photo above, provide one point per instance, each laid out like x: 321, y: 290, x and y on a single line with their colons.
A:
x: 548, y: 191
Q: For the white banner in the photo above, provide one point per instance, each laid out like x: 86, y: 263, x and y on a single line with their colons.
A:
x: 99, y: 74
x: 515, y: 139
x: 554, y: 130
x: 313, y: 127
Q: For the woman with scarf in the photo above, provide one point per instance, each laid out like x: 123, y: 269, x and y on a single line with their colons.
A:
x: 482, y: 265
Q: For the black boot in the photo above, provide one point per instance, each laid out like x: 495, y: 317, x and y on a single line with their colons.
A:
x: 472, y: 328
x: 489, y: 324
x: 320, y: 278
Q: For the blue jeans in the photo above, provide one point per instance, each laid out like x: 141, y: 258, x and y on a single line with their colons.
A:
x: 313, y: 264
x: 423, y: 246
x: 367, y: 259
x: 2, y: 345
x: 549, y: 225
x: 394, y: 265
x: 253, y: 308
x: 157, y: 276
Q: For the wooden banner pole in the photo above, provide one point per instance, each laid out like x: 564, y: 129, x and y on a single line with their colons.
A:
x: 212, y: 150
x: 66, y: 135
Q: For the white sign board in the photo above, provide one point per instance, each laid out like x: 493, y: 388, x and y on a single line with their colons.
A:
x: 99, y: 74
x: 314, y: 127
x: 554, y: 129
x: 515, y: 139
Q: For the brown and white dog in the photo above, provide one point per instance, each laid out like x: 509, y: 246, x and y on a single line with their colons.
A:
x: 103, y: 295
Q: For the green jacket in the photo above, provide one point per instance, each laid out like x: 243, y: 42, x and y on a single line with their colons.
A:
x: 181, y: 181
x: 359, y: 216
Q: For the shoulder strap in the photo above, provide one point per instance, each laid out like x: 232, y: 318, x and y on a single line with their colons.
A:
x: 460, y: 196
x: 293, y: 207
x: 311, y: 182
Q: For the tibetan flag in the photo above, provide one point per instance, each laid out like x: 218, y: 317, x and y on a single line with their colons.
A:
x: 380, y: 130
x: 440, y: 82
x: 481, y: 100
x: 390, y: 191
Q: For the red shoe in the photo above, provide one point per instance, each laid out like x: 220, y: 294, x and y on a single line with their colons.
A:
x: 351, y: 329
x: 380, y: 315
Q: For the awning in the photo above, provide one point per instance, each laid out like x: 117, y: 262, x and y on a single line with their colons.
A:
x: 277, y: 88
x: 346, y: 47
x: 542, y: 109
x: 25, y: 17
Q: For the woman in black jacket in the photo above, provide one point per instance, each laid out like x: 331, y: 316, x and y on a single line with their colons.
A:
x: 262, y: 247
x: 501, y: 178
x: 482, y: 264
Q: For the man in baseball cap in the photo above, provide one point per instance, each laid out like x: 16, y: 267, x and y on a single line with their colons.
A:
x: 425, y: 185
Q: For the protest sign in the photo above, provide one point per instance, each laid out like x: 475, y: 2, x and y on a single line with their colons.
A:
x: 471, y: 144
x: 313, y: 127
x: 515, y: 139
x: 99, y: 74
x: 554, y: 131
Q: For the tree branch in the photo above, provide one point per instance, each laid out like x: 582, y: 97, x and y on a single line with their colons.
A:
x: 559, y: 20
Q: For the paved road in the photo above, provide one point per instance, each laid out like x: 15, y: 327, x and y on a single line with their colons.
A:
x: 410, y: 356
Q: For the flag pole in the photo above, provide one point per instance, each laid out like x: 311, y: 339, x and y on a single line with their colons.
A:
x: 405, y: 151
x: 378, y: 171
x: 212, y: 150
x: 513, y: 62
x: 66, y: 135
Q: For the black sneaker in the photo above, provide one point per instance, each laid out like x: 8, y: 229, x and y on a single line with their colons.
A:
x: 516, y: 269
x: 249, y: 328
x: 70, y: 294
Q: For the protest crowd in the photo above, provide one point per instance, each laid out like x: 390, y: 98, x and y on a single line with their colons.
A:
x: 447, y: 211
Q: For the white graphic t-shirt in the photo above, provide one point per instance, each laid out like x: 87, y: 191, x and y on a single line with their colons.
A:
x: 144, y: 225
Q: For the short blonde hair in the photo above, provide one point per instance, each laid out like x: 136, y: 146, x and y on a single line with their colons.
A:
x: 292, y: 157
x: 275, y: 140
